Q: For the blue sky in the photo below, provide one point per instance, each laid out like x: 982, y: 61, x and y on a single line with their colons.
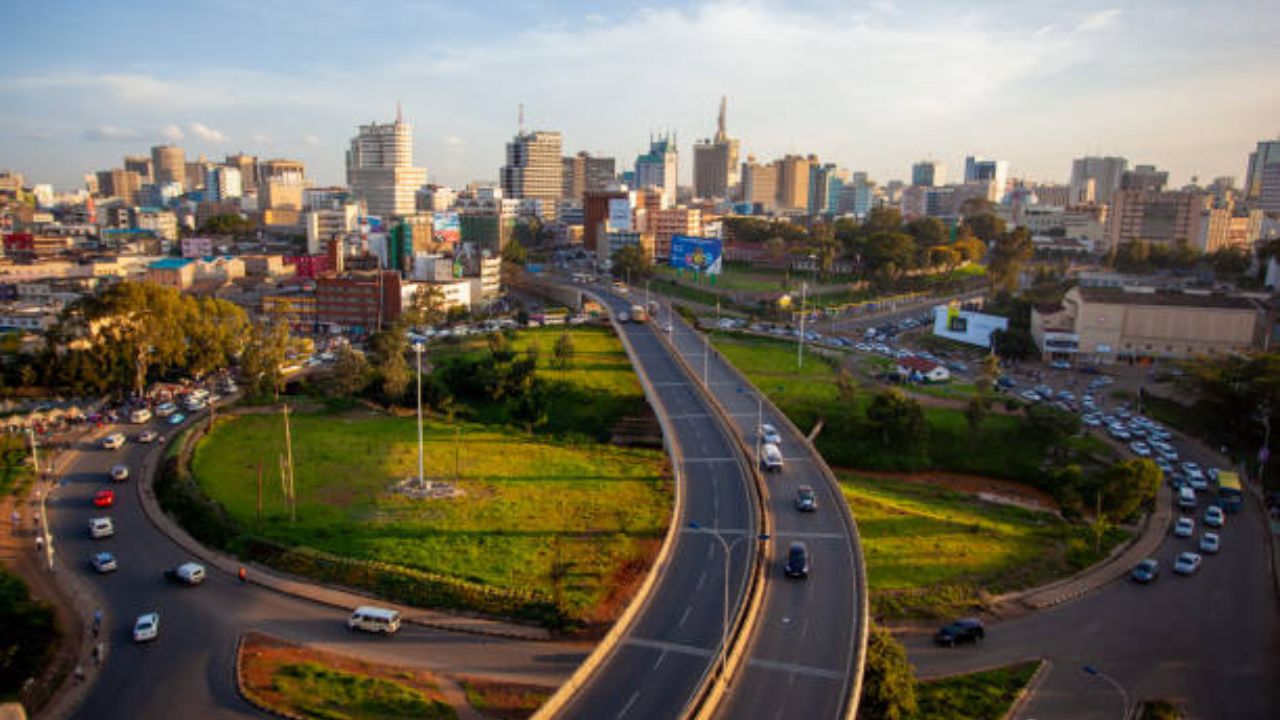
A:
x: 1188, y: 86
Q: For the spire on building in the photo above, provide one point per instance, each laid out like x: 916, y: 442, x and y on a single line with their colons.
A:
x: 399, y: 117
x: 720, y: 121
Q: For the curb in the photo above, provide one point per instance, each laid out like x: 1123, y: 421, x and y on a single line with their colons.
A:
x: 1028, y: 691
x: 242, y: 687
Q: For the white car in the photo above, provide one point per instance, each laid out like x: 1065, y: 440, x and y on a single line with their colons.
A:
x: 146, y: 627
x: 1191, y: 469
x: 166, y: 409
x: 1187, y: 563
x: 119, y: 473
x: 769, y: 435
x: 1186, y: 527
x: 148, y: 436
x: 1213, y: 517
x: 1029, y: 396
x: 1209, y: 543
x: 1140, y: 449
x: 101, y: 527
x: 114, y: 441
x: 1091, y: 420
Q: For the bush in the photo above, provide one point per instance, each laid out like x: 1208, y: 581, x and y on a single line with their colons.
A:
x: 888, y: 685
x: 28, y: 635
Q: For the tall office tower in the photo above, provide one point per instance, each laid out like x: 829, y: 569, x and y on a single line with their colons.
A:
x: 1144, y: 177
x: 1154, y: 216
x: 793, y: 181
x: 1267, y: 155
x: 140, y: 164
x: 535, y: 169
x: 584, y: 173
x: 821, y: 179
x: 1106, y: 174
x: 760, y: 184
x: 168, y: 164
x: 123, y: 184
x: 248, y: 167
x: 196, y: 172
x: 223, y: 183
x: 978, y: 169
x: 715, y: 162
x: 928, y: 173
x: 290, y: 171
x: 657, y: 168
x: 380, y: 168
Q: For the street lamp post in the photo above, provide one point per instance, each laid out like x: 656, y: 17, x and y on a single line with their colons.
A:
x: 706, y: 357
x: 1124, y: 696
x: 759, y: 421
x: 422, y: 478
x: 800, y: 346
x: 43, y: 494
x: 728, y: 549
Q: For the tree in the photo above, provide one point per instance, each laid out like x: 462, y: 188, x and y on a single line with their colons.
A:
x: 1049, y: 428
x: 1127, y: 486
x: 889, y: 248
x: 846, y: 387
x: 388, y: 347
x: 976, y: 412
x: 349, y: 375
x: 260, y: 365
x: 426, y: 307
x: 927, y: 231
x: 530, y: 407
x: 776, y: 249
x: 882, y: 219
x: 563, y: 351
x: 631, y: 260
x: 1007, y: 257
x: 898, y: 419
x: 985, y: 226
x: 888, y: 684
x: 1229, y: 262
x: 227, y: 224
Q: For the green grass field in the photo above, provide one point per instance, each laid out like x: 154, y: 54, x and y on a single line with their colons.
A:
x: 530, y: 505
x: 322, y: 692
x: 730, y: 279
x: 15, y: 468
x: 928, y: 550
x: 985, y: 695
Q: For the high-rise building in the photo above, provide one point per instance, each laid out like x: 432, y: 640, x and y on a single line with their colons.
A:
x: 658, y: 167
x: 760, y: 184
x: 715, y: 162
x: 168, y: 164
x: 1105, y: 174
x: 928, y: 173
x: 585, y: 173
x: 123, y: 184
x: 597, y: 207
x: 140, y: 164
x: 822, y: 200
x: 535, y: 169
x: 380, y: 168
x: 1144, y: 177
x: 223, y: 183
x: 978, y: 169
x: 1268, y: 153
x: 248, y: 167
x: 793, y: 181
x: 1167, y: 218
x: 195, y: 173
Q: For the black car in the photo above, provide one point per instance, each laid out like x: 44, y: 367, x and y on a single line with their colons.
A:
x: 797, y: 561
x: 806, y: 499
x: 1145, y: 571
x: 959, y: 631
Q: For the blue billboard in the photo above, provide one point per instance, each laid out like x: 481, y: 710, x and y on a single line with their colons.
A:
x: 701, y: 255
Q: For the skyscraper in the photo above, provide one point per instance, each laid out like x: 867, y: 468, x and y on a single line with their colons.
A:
x: 168, y: 164
x: 978, y: 169
x: 760, y: 184
x: 928, y: 173
x: 584, y: 173
x: 380, y: 168
x: 657, y: 168
x: 1105, y: 172
x: 793, y: 181
x: 1144, y: 177
x: 534, y: 169
x: 248, y: 167
x: 140, y: 164
x: 715, y: 162
x: 1267, y: 154
x: 223, y: 183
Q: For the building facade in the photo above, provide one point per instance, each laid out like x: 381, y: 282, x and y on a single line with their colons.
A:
x: 1094, y: 179
x: 928, y: 173
x: 1167, y: 218
x: 168, y: 164
x: 535, y: 169
x: 658, y: 168
x: 362, y: 302
x: 380, y: 168
x: 715, y: 162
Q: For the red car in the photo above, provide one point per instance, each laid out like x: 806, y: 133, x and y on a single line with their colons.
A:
x: 104, y: 498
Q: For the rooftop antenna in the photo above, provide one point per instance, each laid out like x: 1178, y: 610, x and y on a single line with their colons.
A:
x: 520, y: 122
x: 398, y: 115
x: 720, y: 121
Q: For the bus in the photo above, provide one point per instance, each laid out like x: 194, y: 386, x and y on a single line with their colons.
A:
x: 1230, y: 494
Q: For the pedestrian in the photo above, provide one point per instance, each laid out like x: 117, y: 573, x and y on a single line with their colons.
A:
x: 79, y: 672
x: 97, y: 622
x: 97, y: 653
x: 242, y: 574
x: 39, y: 543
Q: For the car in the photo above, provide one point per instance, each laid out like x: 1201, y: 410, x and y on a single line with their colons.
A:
x: 104, y: 562
x: 177, y: 419
x: 104, y: 498
x: 1187, y: 563
x: 1185, y: 527
x: 962, y: 630
x: 146, y: 627
x: 863, y: 347
x: 166, y: 409
x: 797, y: 565
x: 1091, y: 420
x: 1164, y: 466
x: 146, y: 437
x: 1213, y: 517
x: 770, y: 458
x: 1192, y: 470
x: 1140, y: 449
x: 1029, y: 396
x: 1060, y: 365
x: 119, y: 473
x: 193, y: 404
x: 1003, y: 381
x: 114, y: 441
x: 769, y: 435
x: 1044, y: 390
x: 1209, y: 543
x: 101, y: 527
x: 1146, y: 571
x: 806, y: 499
x: 1197, y: 482
x: 1119, y: 433
x: 188, y: 573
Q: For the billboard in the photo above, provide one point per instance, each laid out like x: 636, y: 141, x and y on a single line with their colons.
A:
x: 701, y: 255
x: 447, y: 229
x: 620, y: 214
x: 974, y: 328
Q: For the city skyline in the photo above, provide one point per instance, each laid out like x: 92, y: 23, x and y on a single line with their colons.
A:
x: 1170, y: 84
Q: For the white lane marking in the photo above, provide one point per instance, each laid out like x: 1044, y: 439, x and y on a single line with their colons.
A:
x: 683, y: 617
x: 670, y: 647
x: 715, y: 531
x: 810, y: 536
x: 661, y: 657
x: 627, y: 708
x: 702, y: 579
x: 710, y: 460
x: 796, y: 669
x: 691, y: 416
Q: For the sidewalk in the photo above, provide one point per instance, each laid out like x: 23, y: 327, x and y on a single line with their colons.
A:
x: 308, y: 590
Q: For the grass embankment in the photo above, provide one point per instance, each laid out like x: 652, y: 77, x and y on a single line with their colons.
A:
x: 508, y: 701
x: 15, y: 468
x: 985, y: 695
x: 29, y: 635
x: 933, y: 552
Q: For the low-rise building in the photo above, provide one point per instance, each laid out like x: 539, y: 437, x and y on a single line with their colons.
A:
x: 918, y: 369
x: 360, y: 302
x: 177, y: 273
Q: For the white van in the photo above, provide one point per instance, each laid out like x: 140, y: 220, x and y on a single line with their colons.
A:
x: 1187, y: 497
x: 374, y: 620
x: 770, y: 457
x: 140, y: 416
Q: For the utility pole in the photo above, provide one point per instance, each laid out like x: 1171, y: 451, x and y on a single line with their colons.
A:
x: 259, y: 493
x: 288, y: 448
x: 422, y: 478
x: 800, y: 346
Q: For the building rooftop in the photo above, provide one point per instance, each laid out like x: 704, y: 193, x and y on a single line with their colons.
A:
x: 170, y: 263
x: 918, y: 364
x: 1167, y: 298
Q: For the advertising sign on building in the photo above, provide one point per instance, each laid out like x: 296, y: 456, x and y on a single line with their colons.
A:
x: 974, y: 328
x: 701, y: 255
x: 447, y: 228
x: 620, y: 214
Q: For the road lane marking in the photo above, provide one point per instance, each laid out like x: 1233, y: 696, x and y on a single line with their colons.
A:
x: 720, y: 531
x: 710, y: 460
x: 661, y: 657
x: 683, y: 617
x: 691, y: 416
x: 702, y: 579
x: 811, y: 535
x: 627, y: 708
x: 670, y: 647
x: 796, y: 669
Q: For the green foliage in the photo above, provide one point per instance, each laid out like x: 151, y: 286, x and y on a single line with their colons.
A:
x: 1127, y: 486
x: 1160, y: 710
x: 28, y: 636
x: 15, y: 470
x: 631, y: 261
x: 888, y: 684
x: 899, y: 421
x: 349, y: 375
x: 1048, y: 429
x: 563, y: 351
x: 1140, y: 256
x: 985, y: 695
x: 322, y: 692
x: 227, y: 224
x: 388, y: 348
x: 260, y: 364
x: 426, y: 307
x: 1007, y: 257
x: 985, y: 226
x: 1016, y: 343
x: 514, y: 251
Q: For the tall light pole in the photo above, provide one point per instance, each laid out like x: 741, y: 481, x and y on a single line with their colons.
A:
x: 706, y: 356
x: 800, y: 346
x: 759, y: 421
x: 1124, y: 696
x: 422, y: 479
x: 728, y: 549
x: 43, y: 494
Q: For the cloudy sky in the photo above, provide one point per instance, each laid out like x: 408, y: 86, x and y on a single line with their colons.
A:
x: 1189, y: 86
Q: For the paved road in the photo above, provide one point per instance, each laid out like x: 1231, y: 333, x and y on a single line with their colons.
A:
x: 801, y: 659
x: 673, y: 643
x: 1210, y: 642
x: 190, y: 666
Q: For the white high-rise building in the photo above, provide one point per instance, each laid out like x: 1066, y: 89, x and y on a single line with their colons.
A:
x: 1105, y: 172
x: 657, y: 168
x: 978, y: 169
x: 534, y: 169
x: 222, y: 182
x: 380, y: 169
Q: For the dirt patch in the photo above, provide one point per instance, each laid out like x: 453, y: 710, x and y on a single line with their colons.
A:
x: 623, y: 584
x: 505, y: 700
x: 997, y: 490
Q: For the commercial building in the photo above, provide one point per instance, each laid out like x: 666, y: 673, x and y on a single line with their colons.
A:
x: 1167, y: 218
x: 978, y: 169
x: 248, y: 167
x: 928, y: 173
x: 1222, y: 227
x: 1142, y: 324
x: 759, y: 184
x: 597, y: 207
x: 380, y: 168
x: 715, y: 162
x: 222, y: 182
x: 168, y: 164
x: 658, y: 168
x: 793, y: 182
x: 361, y: 302
x: 123, y: 184
x: 176, y: 273
x: 140, y: 164
x: 672, y: 221
x: 534, y: 169
x: 1144, y: 177
x: 1094, y: 179
x: 584, y: 173
x: 162, y: 223
x: 1267, y: 154
x: 324, y: 226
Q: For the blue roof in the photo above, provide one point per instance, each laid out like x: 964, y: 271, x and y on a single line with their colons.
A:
x: 170, y: 263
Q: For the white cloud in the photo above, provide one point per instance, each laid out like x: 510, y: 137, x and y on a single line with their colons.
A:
x: 455, y: 143
x: 311, y: 139
x: 206, y: 133
x: 112, y: 133
x: 1101, y: 20
x: 172, y: 132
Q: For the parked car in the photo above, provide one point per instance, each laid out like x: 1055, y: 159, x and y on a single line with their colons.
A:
x: 806, y: 499
x: 114, y: 441
x: 146, y: 627
x: 1210, y: 543
x: 1213, y: 517
x: 1146, y: 571
x: 186, y: 574
x: 1140, y: 449
x: 104, y: 498
x: 1185, y: 527
x: 104, y: 562
x: 1060, y: 365
x: 769, y: 435
x: 962, y: 630
x: 1187, y: 563
x: 797, y: 565
x: 166, y: 409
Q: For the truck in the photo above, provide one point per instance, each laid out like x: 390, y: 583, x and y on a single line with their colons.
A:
x: 639, y: 314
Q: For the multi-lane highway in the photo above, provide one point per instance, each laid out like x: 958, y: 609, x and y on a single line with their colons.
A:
x: 660, y: 665
x: 804, y: 657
